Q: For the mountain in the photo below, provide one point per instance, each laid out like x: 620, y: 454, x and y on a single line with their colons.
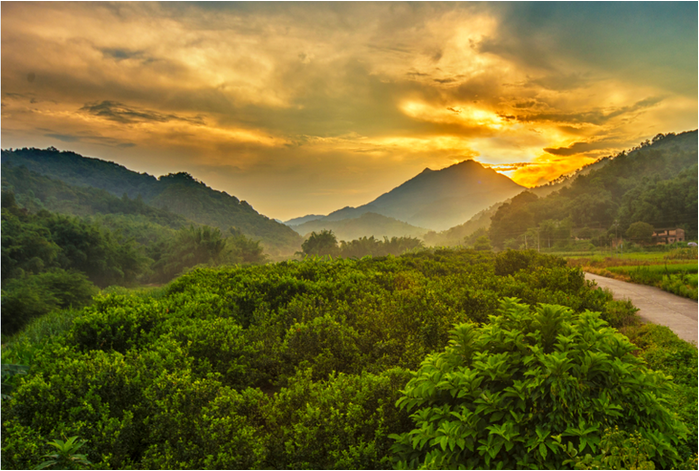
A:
x: 177, y: 193
x: 298, y: 221
x: 454, y: 236
x: 438, y: 199
x: 36, y: 192
x: 365, y: 225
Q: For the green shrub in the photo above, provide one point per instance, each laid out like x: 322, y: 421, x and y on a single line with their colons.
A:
x: 511, y: 261
x: 617, y: 450
x: 620, y: 313
x: 198, y: 424
x: 528, y: 389
x: 339, y: 423
x: 680, y: 285
x: 664, y: 351
x: 117, y: 322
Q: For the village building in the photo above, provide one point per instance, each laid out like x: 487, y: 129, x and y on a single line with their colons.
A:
x: 668, y: 236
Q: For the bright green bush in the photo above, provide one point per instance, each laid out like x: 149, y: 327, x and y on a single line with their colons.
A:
x: 528, y: 389
x: 681, y: 285
x: 198, y: 424
x: 664, y: 351
x: 512, y: 261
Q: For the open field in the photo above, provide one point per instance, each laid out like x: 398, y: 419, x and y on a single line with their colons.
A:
x: 674, y: 271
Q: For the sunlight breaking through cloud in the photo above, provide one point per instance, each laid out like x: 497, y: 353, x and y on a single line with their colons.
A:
x: 389, y: 87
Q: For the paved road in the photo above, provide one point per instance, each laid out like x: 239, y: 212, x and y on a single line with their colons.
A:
x: 656, y: 306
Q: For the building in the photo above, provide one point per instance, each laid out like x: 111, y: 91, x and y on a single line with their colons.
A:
x: 668, y: 236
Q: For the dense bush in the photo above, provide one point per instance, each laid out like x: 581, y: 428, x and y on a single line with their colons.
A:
x: 288, y: 365
x: 29, y: 297
x: 534, y: 388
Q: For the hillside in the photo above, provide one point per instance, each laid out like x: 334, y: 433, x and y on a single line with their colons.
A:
x: 301, y: 220
x: 178, y: 193
x: 454, y: 236
x: 36, y: 192
x: 366, y: 225
x: 655, y: 183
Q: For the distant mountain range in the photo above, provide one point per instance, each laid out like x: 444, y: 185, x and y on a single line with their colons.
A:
x: 435, y: 200
x: 366, y: 225
x: 179, y: 194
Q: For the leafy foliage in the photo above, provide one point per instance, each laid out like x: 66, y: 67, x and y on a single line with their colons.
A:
x: 52, y: 261
x: 530, y: 389
x: 323, y: 243
x: 65, y: 455
x: 177, y: 193
x: 653, y: 185
x: 290, y: 365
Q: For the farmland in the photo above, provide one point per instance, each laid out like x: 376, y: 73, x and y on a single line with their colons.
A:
x: 674, y: 271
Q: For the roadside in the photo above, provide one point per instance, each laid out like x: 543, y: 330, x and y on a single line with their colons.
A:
x: 656, y: 305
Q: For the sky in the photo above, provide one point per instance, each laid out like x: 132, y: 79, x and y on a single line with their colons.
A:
x: 303, y: 108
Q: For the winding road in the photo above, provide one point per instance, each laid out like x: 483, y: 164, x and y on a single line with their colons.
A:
x: 656, y: 305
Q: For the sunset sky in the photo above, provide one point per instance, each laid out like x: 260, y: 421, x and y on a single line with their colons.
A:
x: 308, y: 107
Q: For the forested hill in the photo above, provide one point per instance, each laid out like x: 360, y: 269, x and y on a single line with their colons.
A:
x: 179, y: 193
x: 655, y: 183
x: 36, y: 192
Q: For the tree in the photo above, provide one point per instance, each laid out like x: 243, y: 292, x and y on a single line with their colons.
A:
x: 482, y: 243
x: 640, y: 232
x: 192, y: 246
x: 324, y: 243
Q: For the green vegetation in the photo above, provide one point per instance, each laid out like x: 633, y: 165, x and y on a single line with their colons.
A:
x: 52, y: 261
x: 533, y: 389
x: 366, y: 225
x: 301, y: 364
x: 667, y: 271
x: 176, y: 199
x: 325, y: 243
x: 653, y: 186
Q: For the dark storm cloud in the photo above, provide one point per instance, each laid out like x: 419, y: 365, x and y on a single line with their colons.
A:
x: 642, y: 41
x: 580, y: 148
x: 596, y: 117
x: 90, y: 139
x: 120, y: 113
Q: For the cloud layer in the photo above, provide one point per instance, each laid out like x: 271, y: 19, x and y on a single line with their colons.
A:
x: 308, y: 107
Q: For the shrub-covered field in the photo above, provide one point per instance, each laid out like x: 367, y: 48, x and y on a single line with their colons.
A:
x: 443, y: 359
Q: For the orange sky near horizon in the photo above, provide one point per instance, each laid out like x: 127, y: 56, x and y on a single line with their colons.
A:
x: 305, y: 108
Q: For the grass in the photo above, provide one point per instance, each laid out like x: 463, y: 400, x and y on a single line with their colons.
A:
x: 657, y: 271
x: 674, y: 271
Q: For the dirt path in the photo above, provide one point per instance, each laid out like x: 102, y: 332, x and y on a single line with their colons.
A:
x: 656, y: 305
